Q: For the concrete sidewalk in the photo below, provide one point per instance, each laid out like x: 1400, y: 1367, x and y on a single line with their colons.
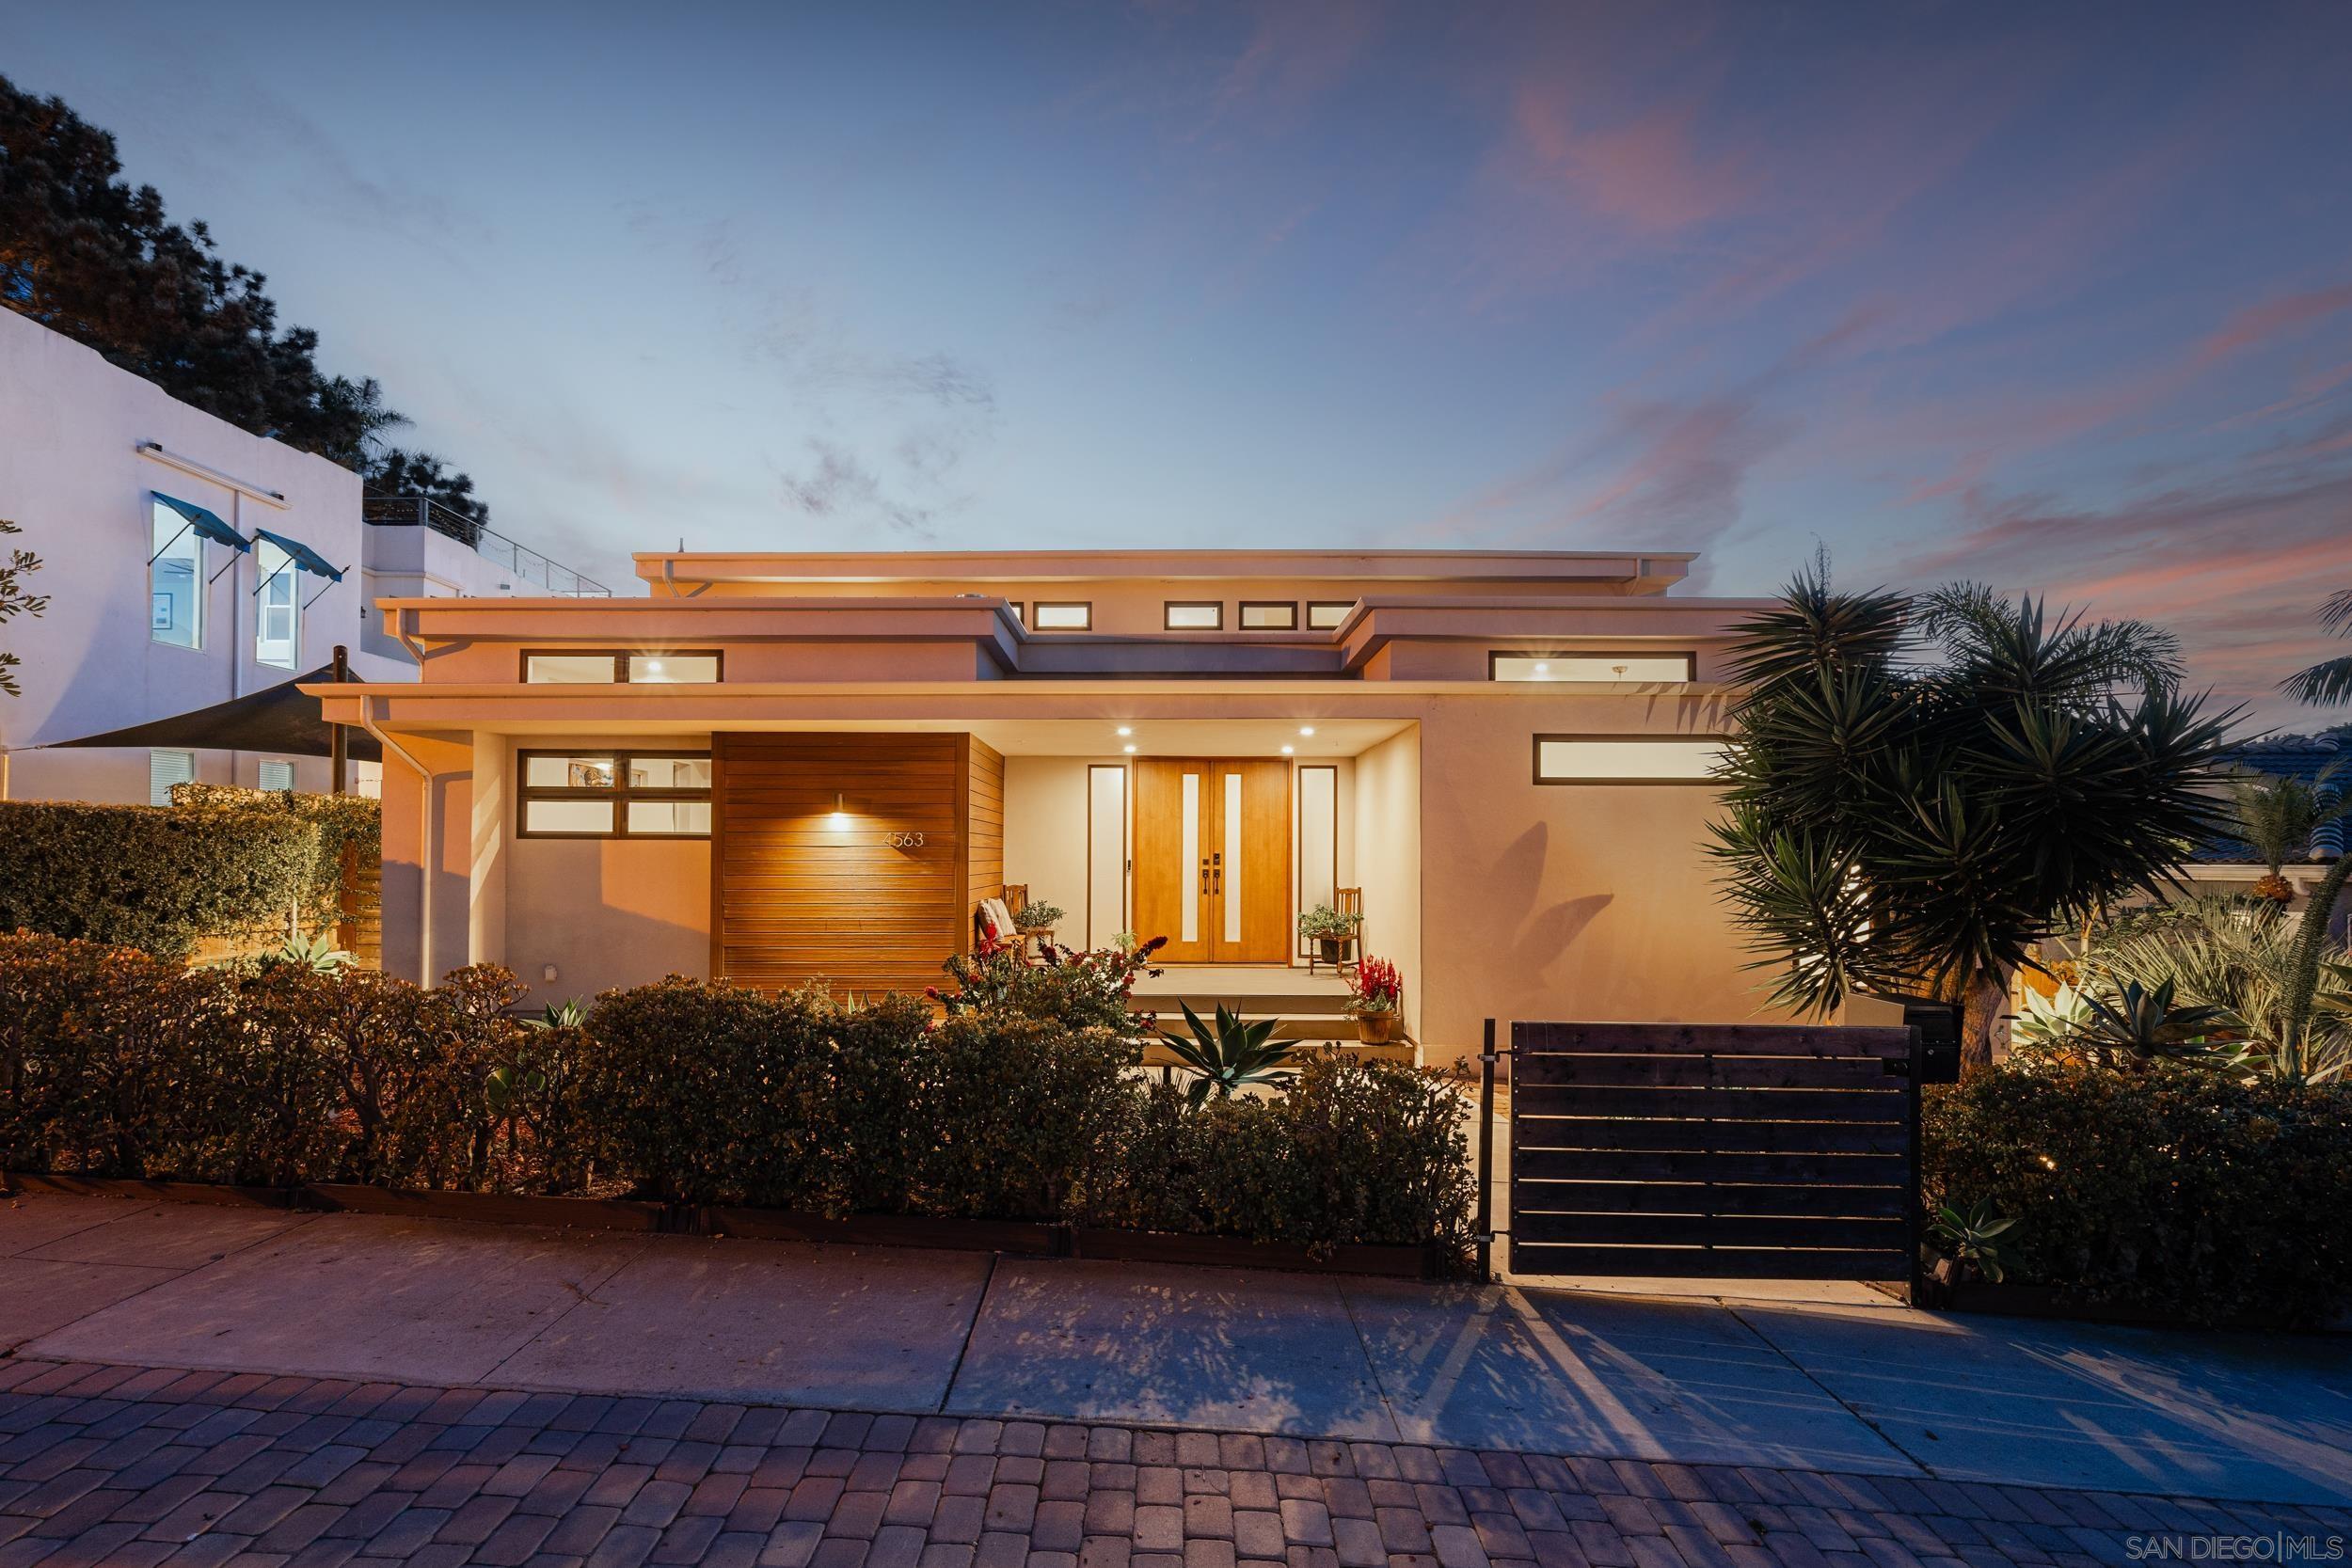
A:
x: 1789, y: 1384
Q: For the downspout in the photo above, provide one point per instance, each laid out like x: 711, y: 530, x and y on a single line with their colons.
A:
x: 424, y: 870
x: 407, y: 641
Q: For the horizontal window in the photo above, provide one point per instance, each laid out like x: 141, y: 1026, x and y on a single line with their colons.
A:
x: 1063, y: 617
x: 1582, y: 666
x: 600, y: 667
x: 1269, y: 615
x: 1195, y: 615
x: 1627, y: 758
x: 615, y: 795
x: 1323, y: 614
x: 674, y: 669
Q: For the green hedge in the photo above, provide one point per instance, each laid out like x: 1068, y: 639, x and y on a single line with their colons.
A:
x: 2190, y: 1193
x: 217, y: 863
x: 113, y: 1063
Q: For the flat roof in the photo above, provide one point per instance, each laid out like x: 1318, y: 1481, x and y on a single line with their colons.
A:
x: 1149, y: 563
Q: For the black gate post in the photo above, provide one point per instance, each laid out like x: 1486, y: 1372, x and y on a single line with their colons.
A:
x: 1484, y: 1218
x: 1914, y: 1215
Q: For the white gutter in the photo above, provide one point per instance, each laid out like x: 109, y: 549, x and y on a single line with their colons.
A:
x: 154, y: 452
x: 424, y: 876
x: 407, y: 637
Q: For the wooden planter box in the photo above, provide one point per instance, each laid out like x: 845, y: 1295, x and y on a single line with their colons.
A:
x: 2048, y: 1301
x: 154, y: 1192
x: 1153, y: 1247
x: 1019, y: 1236
x: 577, y: 1213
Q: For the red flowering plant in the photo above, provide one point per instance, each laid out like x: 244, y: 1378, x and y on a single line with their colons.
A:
x: 1375, y: 987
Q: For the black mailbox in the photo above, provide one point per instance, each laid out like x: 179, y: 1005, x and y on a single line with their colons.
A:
x: 1938, y: 1023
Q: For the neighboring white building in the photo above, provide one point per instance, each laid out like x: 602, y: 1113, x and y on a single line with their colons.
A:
x: 187, y: 563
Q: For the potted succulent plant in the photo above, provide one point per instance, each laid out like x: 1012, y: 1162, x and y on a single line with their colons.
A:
x: 1330, y: 929
x: 1374, y: 1000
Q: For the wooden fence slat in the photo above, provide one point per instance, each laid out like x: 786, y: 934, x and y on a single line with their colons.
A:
x: 1770, y: 1230
x: 1716, y: 1105
x: 1697, y: 1262
x: 1743, y: 1039
x: 1627, y: 1070
x: 1574, y: 1165
x: 1877, y: 1201
x: 1534, y: 1130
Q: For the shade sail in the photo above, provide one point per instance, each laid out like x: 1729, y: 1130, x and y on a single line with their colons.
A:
x: 304, y: 556
x: 276, y: 718
x: 205, y: 523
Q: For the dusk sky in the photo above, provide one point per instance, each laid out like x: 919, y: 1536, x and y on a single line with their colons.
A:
x: 2058, y: 298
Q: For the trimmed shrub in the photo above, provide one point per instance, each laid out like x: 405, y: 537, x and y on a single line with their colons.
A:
x: 344, y: 822
x: 152, y: 878
x: 115, y: 1063
x: 2189, y: 1193
x: 1351, y: 1151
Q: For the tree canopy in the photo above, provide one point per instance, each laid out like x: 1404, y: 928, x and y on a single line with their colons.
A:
x: 85, y: 254
x: 1922, y: 788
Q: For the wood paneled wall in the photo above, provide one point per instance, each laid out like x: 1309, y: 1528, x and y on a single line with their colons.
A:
x: 794, y: 898
x: 984, y: 834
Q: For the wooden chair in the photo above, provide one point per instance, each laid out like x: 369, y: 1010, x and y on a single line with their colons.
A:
x: 1348, y: 900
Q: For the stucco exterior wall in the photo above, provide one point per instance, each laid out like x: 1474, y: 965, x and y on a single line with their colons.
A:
x: 1389, y: 867
x: 1566, y: 901
x: 1045, y: 835
x: 72, y: 479
x: 606, y: 912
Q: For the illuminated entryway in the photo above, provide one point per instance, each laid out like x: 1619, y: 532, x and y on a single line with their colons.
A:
x: 1211, y: 857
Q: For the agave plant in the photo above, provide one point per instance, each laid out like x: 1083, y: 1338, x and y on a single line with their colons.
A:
x: 317, y: 954
x: 2143, y: 1024
x: 1229, y: 1056
x: 561, y: 1015
x: 1967, y: 1235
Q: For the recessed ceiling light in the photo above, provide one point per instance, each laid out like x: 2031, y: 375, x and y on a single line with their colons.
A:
x: 1124, y: 730
x: 1543, y: 669
x: 1286, y: 751
x: 1130, y: 749
x: 1306, y: 729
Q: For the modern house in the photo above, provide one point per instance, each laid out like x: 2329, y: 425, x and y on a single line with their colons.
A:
x: 188, y: 563
x: 776, y: 767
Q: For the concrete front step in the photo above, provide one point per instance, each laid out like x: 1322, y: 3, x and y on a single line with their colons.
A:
x: 1287, y: 1026
x: 1247, y: 1003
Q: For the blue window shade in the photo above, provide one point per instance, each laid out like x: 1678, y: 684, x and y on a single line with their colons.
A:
x: 304, y: 558
x: 207, y: 524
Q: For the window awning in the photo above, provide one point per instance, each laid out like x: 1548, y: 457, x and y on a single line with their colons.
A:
x: 205, y: 523
x: 304, y: 558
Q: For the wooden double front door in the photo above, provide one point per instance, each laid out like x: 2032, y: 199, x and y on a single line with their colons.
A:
x: 1212, y: 858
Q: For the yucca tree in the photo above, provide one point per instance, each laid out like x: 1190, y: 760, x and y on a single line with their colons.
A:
x: 2330, y: 679
x: 1922, y: 788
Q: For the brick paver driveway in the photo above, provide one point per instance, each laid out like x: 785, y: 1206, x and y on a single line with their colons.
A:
x: 124, y: 1466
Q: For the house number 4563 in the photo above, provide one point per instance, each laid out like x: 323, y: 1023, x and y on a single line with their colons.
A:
x: 906, y: 841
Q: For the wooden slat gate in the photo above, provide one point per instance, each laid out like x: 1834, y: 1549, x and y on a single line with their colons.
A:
x: 1714, y: 1150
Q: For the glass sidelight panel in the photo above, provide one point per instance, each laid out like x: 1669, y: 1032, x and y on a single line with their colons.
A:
x: 1231, y: 877
x: 1318, y: 834
x: 1190, y: 828
x: 1106, y: 854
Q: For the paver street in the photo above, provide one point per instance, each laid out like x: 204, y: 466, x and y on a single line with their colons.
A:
x: 119, y: 1466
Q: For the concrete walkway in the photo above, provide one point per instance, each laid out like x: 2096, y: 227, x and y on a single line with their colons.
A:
x: 1790, y: 1384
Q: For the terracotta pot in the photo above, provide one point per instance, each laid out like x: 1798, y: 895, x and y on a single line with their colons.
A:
x: 1376, y: 1028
